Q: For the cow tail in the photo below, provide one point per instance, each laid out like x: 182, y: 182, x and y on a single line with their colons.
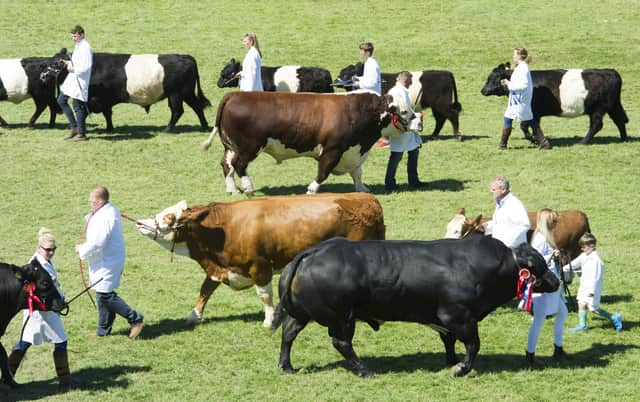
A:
x: 204, y: 102
x: 456, y: 105
x: 207, y: 143
x: 281, y: 311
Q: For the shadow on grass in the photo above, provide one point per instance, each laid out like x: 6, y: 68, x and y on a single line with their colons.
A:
x: 603, y: 140
x: 91, y: 379
x: 599, y: 355
x: 440, y: 137
x: 170, y: 326
x: 376, y: 189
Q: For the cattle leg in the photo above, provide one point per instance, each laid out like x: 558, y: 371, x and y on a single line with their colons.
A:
x: 3, y: 122
x: 108, y: 114
x: 356, y: 175
x: 471, y: 342
x: 620, y: 118
x: 207, y: 288
x: 290, y: 330
x: 265, y: 294
x: 177, y: 110
x: 440, y: 120
x: 342, y: 338
x: 195, y: 105
x: 327, y: 162
x: 39, y: 109
x: 228, y: 171
x: 7, y: 377
x: 449, y: 341
x: 595, y: 125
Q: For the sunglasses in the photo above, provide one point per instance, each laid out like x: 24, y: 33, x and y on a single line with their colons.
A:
x: 49, y: 249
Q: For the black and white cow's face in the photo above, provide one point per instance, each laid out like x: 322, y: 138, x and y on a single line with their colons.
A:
x: 162, y: 228
x: 528, y: 257
x: 45, y: 288
x: 347, y: 74
x: 228, y: 75
x: 493, y: 85
x: 55, y: 70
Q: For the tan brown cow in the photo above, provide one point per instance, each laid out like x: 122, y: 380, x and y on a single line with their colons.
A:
x: 243, y: 243
x: 571, y: 225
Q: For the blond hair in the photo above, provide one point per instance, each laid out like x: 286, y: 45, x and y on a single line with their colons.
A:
x: 545, y: 220
x: 254, y: 41
x: 45, y: 236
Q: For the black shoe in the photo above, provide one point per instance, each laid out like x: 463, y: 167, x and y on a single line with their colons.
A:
x: 72, y: 134
x: 532, y: 361
x: 560, y: 354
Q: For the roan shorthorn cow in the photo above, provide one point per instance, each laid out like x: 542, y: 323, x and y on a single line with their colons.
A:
x: 449, y: 285
x: 142, y: 79
x: 243, y: 243
x: 20, y: 80
x: 435, y: 89
x: 281, y: 78
x: 21, y: 287
x: 569, y: 93
x: 572, y: 224
x: 336, y: 130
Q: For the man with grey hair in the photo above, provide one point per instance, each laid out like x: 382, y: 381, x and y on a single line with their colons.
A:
x: 510, y: 222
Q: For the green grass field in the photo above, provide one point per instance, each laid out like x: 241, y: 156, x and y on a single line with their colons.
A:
x: 229, y: 356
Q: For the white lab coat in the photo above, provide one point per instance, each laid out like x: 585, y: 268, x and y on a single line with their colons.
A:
x: 370, y: 79
x: 104, y: 248
x: 408, y: 140
x: 250, y: 77
x: 44, y: 326
x: 591, y: 279
x: 510, y: 222
x: 549, y: 302
x: 520, y: 93
x: 76, y: 85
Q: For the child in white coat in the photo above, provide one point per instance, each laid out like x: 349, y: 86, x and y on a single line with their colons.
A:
x: 591, y: 282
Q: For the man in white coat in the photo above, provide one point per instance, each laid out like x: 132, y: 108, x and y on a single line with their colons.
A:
x: 370, y: 79
x: 520, y: 95
x: 408, y: 141
x: 510, y: 222
x: 44, y: 326
x: 104, y: 248
x: 76, y: 85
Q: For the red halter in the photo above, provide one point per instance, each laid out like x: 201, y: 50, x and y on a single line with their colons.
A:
x: 30, y: 288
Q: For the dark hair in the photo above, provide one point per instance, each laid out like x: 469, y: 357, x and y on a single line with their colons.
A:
x: 367, y: 47
x: 101, y: 192
x: 77, y: 30
x: 587, y: 239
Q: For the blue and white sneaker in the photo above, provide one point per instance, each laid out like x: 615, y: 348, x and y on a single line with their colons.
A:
x: 617, y: 322
x: 579, y: 328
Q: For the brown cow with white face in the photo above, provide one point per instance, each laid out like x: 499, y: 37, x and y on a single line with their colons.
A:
x: 571, y: 225
x: 336, y: 130
x: 243, y: 243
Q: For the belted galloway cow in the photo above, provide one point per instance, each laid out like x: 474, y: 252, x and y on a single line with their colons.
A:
x: 569, y: 93
x: 244, y: 243
x: 281, y: 78
x: 435, y: 89
x: 336, y: 130
x: 21, y: 287
x: 450, y: 285
x: 142, y: 79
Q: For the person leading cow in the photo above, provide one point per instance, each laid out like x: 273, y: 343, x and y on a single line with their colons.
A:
x: 510, y: 222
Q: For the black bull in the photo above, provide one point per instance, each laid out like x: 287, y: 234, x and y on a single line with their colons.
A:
x: 449, y: 285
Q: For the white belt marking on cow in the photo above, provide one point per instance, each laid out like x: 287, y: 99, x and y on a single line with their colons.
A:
x: 144, y: 79
x: 286, y: 79
x: 14, y: 79
x: 280, y: 152
x: 415, y: 88
x: 572, y: 93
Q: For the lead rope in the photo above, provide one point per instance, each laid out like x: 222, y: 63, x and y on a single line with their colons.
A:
x: 80, y: 238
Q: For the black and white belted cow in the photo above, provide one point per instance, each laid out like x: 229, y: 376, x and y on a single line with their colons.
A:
x: 336, y: 130
x: 281, y: 78
x: 19, y: 288
x: 142, y: 79
x: 20, y: 80
x: 569, y: 93
x: 449, y: 285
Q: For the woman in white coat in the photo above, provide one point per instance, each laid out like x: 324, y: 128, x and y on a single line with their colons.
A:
x: 44, y: 326
x: 546, y: 304
x: 250, y: 76
x: 520, y: 95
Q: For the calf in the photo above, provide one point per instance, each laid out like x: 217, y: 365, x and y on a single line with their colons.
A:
x: 569, y: 93
x: 450, y: 285
x: 281, y: 78
x: 430, y: 88
x: 142, y: 79
x: 14, y: 296
x: 572, y: 224
x: 20, y: 80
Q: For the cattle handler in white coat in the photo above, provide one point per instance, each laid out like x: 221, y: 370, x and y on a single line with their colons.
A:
x: 510, y: 221
x: 520, y: 96
x: 45, y: 326
x: 76, y: 85
x: 251, y: 74
x: 408, y: 141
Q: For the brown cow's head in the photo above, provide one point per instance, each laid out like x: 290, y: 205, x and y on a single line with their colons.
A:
x: 460, y: 226
x: 163, y: 228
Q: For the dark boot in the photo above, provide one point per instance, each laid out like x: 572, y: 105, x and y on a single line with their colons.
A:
x: 15, y: 358
x: 72, y: 134
x: 61, y: 361
x: 531, y: 360
x: 506, y: 132
x: 560, y: 354
x: 412, y: 169
x: 543, y: 142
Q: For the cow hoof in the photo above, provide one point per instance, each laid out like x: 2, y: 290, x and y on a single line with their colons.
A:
x: 11, y: 382
x: 193, y: 318
x: 366, y: 374
x: 288, y: 369
x: 459, y: 370
x: 458, y: 137
x: 266, y: 324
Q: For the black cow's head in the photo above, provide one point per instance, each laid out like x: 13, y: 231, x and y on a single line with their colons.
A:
x: 229, y: 75
x: 347, y: 74
x: 44, y: 286
x: 55, y: 69
x: 528, y: 257
x: 493, y: 85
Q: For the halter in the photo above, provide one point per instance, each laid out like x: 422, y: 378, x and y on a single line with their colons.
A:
x: 30, y: 288
x: 156, y: 230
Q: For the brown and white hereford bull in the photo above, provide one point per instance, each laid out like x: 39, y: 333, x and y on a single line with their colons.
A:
x: 336, y: 130
x: 571, y: 225
x: 243, y: 243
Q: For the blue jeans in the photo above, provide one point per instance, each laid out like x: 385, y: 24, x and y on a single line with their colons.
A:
x: 110, y: 304
x: 392, y: 167
x: 78, y: 121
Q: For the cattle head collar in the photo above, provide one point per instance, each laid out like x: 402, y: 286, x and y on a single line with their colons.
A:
x: 531, y: 265
x: 163, y: 228
x: 41, y: 293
